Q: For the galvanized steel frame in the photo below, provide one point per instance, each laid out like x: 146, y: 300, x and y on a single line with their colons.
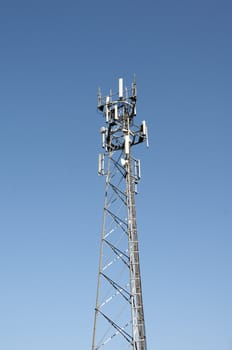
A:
x: 119, y: 314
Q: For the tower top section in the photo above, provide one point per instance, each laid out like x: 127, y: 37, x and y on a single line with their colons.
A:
x: 110, y: 105
x: 119, y: 110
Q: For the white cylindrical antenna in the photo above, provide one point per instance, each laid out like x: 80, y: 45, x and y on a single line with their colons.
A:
x: 101, y: 164
x: 116, y: 112
x: 120, y: 91
x: 127, y: 144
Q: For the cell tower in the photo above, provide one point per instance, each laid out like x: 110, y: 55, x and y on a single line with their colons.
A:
x: 119, y: 316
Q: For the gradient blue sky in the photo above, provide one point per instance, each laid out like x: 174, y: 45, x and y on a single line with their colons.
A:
x: 53, y: 56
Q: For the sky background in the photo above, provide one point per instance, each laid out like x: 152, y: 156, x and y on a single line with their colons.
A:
x: 53, y: 57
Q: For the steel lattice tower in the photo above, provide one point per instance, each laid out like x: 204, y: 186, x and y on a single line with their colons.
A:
x: 119, y: 316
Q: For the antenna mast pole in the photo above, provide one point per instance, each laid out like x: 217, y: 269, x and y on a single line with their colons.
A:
x: 119, y: 316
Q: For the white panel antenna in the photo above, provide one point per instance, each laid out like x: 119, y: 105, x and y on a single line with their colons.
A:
x: 137, y: 170
x: 120, y: 91
x: 107, y: 108
x: 103, y: 135
x: 101, y: 165
x: 145, y: 131
x: 127, y: 144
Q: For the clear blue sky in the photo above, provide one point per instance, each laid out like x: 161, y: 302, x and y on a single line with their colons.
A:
x: 53, y: 56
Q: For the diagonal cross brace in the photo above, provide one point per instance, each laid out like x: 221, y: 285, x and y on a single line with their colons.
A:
x: 118, y: 288
x: 118, y: 328
x: 119, y: 253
